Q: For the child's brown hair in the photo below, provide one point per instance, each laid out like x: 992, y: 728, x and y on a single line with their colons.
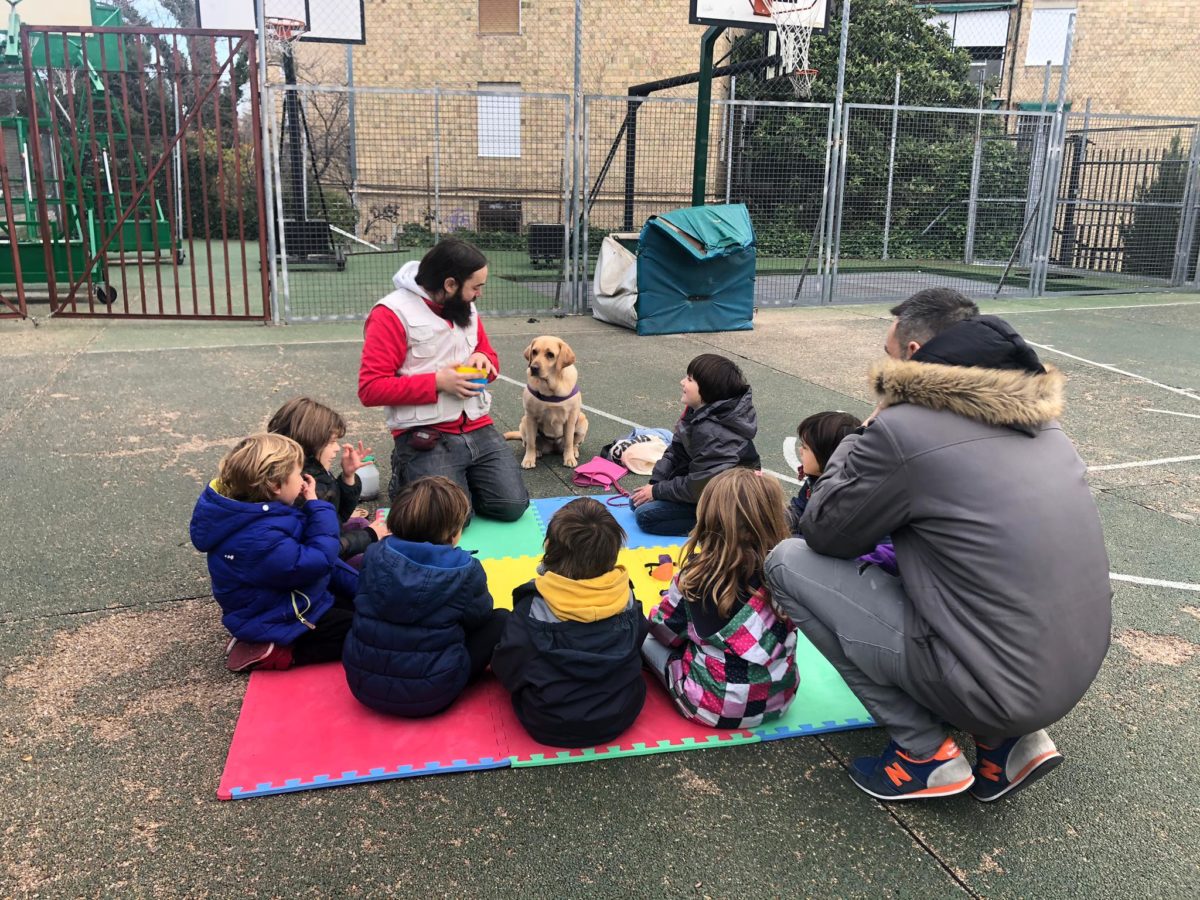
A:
x: 582, y: 540
x: 310, y: 424
x: 432, y: 509
x: 739, y: 520
x: 258, y: 464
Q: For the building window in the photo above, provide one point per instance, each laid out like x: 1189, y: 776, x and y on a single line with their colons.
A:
x: 1048, y: 29
x: 499, y: 16
x: 499, y: 121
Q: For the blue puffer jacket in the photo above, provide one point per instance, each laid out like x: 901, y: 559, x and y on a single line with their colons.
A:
x: 273, y: 566
x: 406, y: 653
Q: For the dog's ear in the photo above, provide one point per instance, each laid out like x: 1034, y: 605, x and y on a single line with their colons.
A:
x: 528, y: 351
x: 566, y: 356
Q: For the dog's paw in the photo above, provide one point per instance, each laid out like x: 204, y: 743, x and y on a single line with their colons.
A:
x: 570, y: 461
x: 529, y: 462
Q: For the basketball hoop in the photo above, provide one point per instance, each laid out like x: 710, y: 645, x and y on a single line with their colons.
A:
x: 794, y: 22
x: 282, y: 33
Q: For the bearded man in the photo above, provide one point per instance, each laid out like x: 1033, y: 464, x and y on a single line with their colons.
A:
x: 414, y: 342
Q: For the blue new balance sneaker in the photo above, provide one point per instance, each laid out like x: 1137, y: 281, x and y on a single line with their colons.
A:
x: 1013, y: 764
x: 898, y: 776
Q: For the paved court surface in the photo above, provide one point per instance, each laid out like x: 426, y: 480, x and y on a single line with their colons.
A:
x: 115, y: 711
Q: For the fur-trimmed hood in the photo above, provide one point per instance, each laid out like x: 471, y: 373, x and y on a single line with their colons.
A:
x: 1005, y: 397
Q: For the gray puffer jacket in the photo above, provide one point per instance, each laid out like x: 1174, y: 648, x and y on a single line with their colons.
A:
x: 997, y: 537
x: 707, y: 441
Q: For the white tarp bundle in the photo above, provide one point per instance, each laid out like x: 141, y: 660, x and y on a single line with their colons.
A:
x: 615, y: 284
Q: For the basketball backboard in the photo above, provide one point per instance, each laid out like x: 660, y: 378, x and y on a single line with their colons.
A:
x: 329, y: 21
x: 751, y: 13
x: 47, y: 13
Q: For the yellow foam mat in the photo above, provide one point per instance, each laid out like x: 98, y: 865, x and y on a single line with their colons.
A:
x: 510, y: 572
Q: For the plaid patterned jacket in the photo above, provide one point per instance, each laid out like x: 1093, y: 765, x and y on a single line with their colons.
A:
x: 739, y: 677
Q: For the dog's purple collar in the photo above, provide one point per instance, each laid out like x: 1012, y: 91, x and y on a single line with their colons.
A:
x: 546, y: 399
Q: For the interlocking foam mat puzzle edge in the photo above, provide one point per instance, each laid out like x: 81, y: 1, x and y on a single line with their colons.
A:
x: 480, y: 731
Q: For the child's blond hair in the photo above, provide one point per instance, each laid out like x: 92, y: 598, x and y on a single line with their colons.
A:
x: 257, y: 465
x: 739, y: 520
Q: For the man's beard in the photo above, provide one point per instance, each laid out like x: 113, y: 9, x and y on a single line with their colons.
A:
x: 456, y: 309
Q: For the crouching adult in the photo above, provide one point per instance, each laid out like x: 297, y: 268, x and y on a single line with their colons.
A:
x: 1001, y: 615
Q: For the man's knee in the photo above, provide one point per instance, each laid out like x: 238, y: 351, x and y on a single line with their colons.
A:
x: 502, y: 510
x: 786, y: 571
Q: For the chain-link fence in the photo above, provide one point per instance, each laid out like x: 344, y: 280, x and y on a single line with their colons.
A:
x: 1004, y: 148
x: 490, y: 168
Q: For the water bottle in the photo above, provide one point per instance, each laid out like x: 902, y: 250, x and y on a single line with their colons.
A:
x: 369, y: 476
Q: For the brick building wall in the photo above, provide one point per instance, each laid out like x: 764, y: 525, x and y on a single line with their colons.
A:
x: 1130, y: 56
x: 402, y: 152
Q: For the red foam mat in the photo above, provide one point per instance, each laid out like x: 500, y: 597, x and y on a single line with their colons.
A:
x: 302, y: 729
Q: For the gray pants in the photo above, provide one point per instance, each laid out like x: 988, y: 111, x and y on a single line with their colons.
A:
x: 480, y: 462
x: 856, y: 619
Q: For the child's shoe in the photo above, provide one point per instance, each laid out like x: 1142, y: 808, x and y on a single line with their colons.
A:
x: 1013, y: 764
x: 242, y: 656
x: 897, y: 776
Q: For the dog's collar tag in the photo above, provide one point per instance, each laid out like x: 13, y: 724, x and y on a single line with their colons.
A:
x: 547, y: 399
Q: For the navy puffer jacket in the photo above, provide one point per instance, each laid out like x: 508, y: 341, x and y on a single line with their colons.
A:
x: 274, y: 567
x: 406, y: 653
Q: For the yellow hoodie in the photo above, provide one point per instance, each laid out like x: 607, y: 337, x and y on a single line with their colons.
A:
x: 586, y: 600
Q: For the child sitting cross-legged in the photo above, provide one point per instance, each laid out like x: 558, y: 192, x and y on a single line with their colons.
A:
x: 285, y: 596
x: 723, y: 649
x: 569, y: 654
x: 424, y: 625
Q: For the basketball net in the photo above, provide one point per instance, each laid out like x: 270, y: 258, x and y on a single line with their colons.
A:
x: 794, y: 23
x: 282, y: 34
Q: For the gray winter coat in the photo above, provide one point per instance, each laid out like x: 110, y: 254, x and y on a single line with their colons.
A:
x: 997, y: 537
x: 707, y: 441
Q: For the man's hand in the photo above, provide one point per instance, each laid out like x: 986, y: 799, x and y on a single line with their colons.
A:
x: 644, y: 494
x: 450, y: 381
x: 352, y: 460
x: 480, y: 361
x: 309, y: 489
x: 379, y: 526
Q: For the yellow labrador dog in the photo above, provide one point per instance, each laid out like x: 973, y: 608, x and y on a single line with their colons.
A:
x: 554, y: 420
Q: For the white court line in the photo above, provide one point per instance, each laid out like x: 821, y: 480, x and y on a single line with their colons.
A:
x: 789, y: 453
x: 1144, y: 464
x: 1099, y: 365
x: 1170, y: 412
x: 1155, y: 582
x: 599, y: 412
x: 1018, y: 312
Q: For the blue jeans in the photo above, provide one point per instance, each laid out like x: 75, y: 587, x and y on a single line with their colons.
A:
x: 666, y: 517
x: 479, y: 461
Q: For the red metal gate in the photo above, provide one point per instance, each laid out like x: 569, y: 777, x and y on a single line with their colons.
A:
x: 148, y: 172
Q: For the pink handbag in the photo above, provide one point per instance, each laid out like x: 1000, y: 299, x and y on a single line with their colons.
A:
x: 601, y: 472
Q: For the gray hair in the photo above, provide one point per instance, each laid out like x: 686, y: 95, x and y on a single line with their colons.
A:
x: 928, y: 313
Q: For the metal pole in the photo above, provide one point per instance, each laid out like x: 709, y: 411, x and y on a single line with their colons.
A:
x: 437, y: 162
x: 887, y: 211
x: 703, y: 111
x: 353, y: 142
x: 1053, y: 171
x: 1187, y: 216
x: 973, y: 195
x: 578, y: 215
x: 283, y: 263
x: 270, y: 224
x: 585, y: 215
x: 731, y: 111
x: 834, y: 165
x: 1037, y: 169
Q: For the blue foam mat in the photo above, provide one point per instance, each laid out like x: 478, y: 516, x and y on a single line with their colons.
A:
x: 637, y: 539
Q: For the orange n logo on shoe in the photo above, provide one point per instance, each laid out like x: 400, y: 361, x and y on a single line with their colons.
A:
x: 989, y: 770
x: 897, y: 774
